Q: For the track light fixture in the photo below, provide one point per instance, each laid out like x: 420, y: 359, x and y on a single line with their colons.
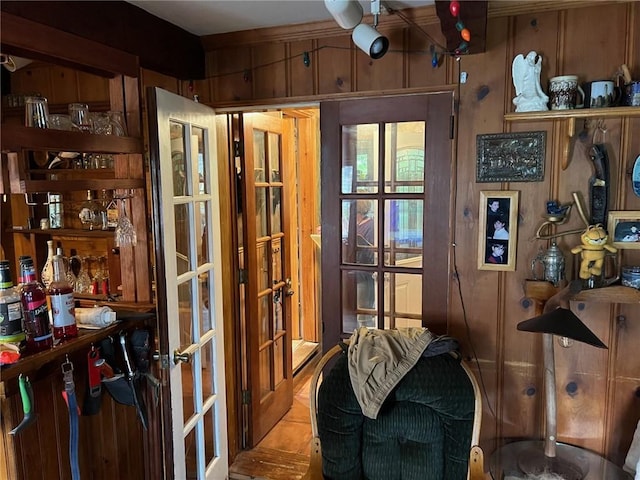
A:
x: 348, y: 14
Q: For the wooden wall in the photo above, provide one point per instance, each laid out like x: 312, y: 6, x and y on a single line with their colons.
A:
x: 598, y: 390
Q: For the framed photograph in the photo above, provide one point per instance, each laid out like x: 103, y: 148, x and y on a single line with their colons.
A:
x: 510, y: 157
x: 624, y: 229
x: 498, y: 230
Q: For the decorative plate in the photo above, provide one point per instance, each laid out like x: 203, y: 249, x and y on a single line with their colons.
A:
x: 635, y: 177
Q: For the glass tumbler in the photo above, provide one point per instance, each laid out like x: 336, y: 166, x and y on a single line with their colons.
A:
x: 79, y: 113
x: 36, y: 112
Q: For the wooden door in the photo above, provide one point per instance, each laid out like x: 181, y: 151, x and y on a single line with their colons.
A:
x: 189, y: 284
x: 269, y: 380
x: 386, y: 197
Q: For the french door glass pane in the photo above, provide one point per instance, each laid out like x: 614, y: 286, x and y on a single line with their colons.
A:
x: 404, y: 157
x: 259, y: 150
x: 201, y: 232
x: 261, y: 212
x: 403, y: 233
x: 359, y: 299
x: 197, y: 136
x: 263, y: 266
x: 402, y: 294
x: 277, y: 261
x: 185, y: 302
x: 276, y: 211
x: 181, y: 174
x: 359, y: 232
x: 264, y: 306
x: 183, y: 238
x: 360, y: 155
x: 274, y: 157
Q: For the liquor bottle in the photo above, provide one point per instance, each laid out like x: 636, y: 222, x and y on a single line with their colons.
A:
x: 62, y: 303
x: 34, y: 308
x: 11, y: 322
x: 47, y: 271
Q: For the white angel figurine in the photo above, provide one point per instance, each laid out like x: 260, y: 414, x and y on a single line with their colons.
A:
x: 526, y: 79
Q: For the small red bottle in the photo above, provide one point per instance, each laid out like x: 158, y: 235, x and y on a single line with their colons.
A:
x: 63, y: 310
x: 34, y: 306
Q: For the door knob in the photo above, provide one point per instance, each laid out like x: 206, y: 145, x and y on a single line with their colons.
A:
x: 181, y: 357
x: 288, y: 291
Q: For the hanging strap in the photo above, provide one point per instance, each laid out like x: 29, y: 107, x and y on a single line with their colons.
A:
x: 70, y: 396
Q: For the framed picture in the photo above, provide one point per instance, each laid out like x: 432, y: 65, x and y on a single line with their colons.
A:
x: 498, y: 230
x: 510, y: 157
x: 624, y: 229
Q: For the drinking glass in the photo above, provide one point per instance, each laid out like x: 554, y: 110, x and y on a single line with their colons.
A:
x: 83, y: 281
x: 79, y: 113
x: 36, y: 112
x: 125, y: 234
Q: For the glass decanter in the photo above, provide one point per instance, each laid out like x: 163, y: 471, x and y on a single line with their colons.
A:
x: 91, y: 213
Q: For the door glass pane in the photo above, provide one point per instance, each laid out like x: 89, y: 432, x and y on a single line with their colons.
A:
x: 197, y: 140
x: 403, y: 233
x: 359, y: 299
x: 360, y: 158
x: 188, y: 398
x: 206, y: 323
x: 261, y: 212
x: 179, y: 159
x: 276, y: 211
x: 190, y: 453
x: 277, y: 261
x: 359, y: 232
x: 400, y: 322
x: 183, y: 242
x: 278, y: 373
x: 278, y: 319
x: 208, y: 380
x: 274, y: 157
x: 210, y: 428
x: 201, y: 232
x: 403, y: 294
x: 404, y: 157
x: 264, y: 308
x: 263, y: 266
x: 185, y: 303
x: 259, y: 150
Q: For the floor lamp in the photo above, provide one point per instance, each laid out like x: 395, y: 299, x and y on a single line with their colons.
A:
x: 530, y: 459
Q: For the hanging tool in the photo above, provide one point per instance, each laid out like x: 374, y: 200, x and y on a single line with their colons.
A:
x: 599, y: 182
x: 69, y: 395
x: 132, y: 384
x: 26, y: 395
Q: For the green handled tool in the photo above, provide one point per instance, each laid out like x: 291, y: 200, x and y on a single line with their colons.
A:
x: 26, y: 395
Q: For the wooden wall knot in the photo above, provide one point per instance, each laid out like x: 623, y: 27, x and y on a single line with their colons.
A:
x: 530, y: 391
x: 571, y: 389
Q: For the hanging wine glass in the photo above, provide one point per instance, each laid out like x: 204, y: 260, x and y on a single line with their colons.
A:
x: 83, y: 282
x: 125, y: 234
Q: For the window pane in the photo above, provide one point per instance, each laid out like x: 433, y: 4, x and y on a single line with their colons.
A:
x: 360, y: 158
x: 181, y: 185
x: 259, y: 155
x: 274, y: 157
x: 276, y: 211
x: 359, y: 300
x: 403, y: 295
x: 359, y: 232
x: 183, y: 238
x: 404, y: 157
x: 261, y: 212
x: 202, y: 232
x: 403, y: 233
x: 197, y: 138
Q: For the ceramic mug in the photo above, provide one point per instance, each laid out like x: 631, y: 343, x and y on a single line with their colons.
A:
x: 631, y: 94
x: 563, y: 93
x: 600, y: 93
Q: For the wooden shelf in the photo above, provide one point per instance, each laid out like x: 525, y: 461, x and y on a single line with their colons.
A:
x: 60, y: 186
x: 575, y: 113
x: 569, y: 121
x: 16, y: 138
x: 612, y: 294
x: 64, y: 231
x: 541, y: 291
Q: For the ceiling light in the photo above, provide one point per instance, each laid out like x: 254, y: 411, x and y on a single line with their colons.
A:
x: 348, y: 14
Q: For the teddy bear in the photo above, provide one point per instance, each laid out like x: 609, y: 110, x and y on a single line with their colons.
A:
x: 593, y: 250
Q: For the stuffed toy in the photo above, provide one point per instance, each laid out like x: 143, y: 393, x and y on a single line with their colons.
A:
x: 593, y: 250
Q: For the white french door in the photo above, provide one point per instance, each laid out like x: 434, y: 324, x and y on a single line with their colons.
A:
x: 189, y: 283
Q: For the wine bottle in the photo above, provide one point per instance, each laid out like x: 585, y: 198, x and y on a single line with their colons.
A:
x: 10, y: 307
x: 47, y: 271
x: 34, y: 307
x: 62, y: 303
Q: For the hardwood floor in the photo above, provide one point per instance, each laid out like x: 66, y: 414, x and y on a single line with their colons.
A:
x: 284, y: 453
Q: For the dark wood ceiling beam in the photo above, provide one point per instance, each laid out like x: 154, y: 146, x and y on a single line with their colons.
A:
x: 160, y: 45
